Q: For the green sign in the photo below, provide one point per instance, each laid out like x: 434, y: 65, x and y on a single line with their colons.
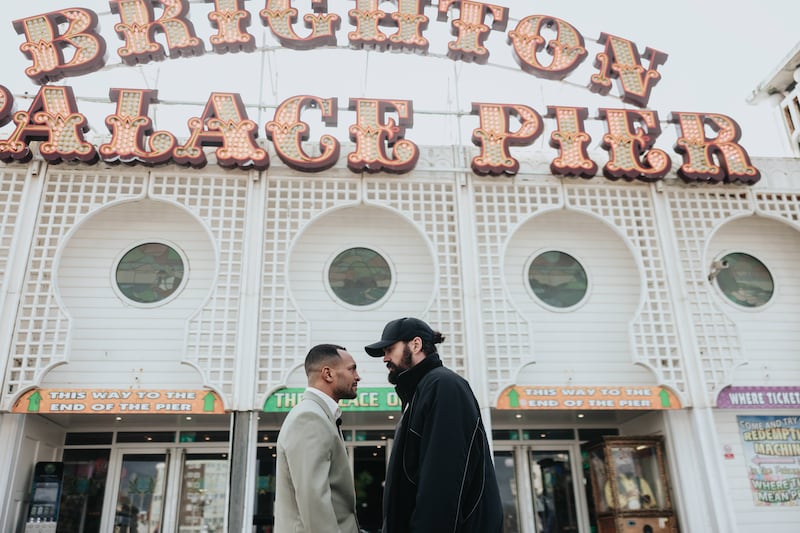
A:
x: 368, y: 399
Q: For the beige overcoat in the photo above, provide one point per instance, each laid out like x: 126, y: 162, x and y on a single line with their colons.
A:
x: 314, y: 490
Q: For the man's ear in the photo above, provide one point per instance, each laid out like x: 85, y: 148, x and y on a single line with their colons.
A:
x: 416, y: 344
x: 327, y: 374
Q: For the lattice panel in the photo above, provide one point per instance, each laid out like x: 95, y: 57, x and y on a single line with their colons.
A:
x: 785, y: 205
x: 694, y: 214
x: 291, y: 203
x: 432, y: 208
x: 12, y: 183
x: 220, y: 201
x: 500, y: 206
x: 41, y: 333
x: 630, y: 209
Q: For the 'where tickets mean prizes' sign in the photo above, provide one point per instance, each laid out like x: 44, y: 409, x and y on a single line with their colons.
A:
x: 118, y: 401
x: 595, y: 397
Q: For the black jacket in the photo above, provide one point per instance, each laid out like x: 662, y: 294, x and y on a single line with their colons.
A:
x: 441, y: 476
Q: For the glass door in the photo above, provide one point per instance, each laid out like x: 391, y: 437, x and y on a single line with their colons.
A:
x: 553, y: 490
x: 368, y: 451
x: 505, y: 467
x: 369, y: 471
x: 181, y: 489
x: 140, y: 493
x: 264, y: 504
x: 204, y: 485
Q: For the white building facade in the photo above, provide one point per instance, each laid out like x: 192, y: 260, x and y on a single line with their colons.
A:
x: 259, y: 245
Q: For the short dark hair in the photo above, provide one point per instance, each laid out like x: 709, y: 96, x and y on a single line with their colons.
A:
x: 321, y: 354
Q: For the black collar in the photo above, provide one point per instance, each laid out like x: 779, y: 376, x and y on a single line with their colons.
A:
x: 407, y: 381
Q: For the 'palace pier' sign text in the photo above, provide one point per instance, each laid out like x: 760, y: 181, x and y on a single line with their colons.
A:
x: 380, y: 143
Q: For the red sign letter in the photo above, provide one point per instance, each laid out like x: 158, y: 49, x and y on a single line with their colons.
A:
x: 230, y: 17
x: 224, y: 123
x: 129, y: 126
x: 138, y: 27
x: 567, y: 48
x: 627, y: 143
x: 54, y: 119
x: 6, y: 105
x: 571, y: 140
x: 409, y: 19
x: 699, y: 152
x: 44, y: 44
x: 280, y: 15
x: 494, y: 138
x: 470, y: 29
x: 371, y: 135
x: 621, y: 60
x: 287, y: 131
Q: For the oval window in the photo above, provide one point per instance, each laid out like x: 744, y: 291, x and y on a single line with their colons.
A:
x: 359, y: 276
x: 150, y: 273
x: 557, y: 279
x: 745, y: 280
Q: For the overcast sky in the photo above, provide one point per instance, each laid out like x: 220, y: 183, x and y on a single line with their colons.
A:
x: 719, y: 51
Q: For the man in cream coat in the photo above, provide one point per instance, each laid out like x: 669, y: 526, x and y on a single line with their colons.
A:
x: 314, y: 483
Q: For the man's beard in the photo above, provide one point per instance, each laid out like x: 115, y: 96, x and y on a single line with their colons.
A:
x: 347, y: 393
x: 405, y: 364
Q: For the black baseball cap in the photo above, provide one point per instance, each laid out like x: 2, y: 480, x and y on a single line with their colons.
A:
x: 401, y: 329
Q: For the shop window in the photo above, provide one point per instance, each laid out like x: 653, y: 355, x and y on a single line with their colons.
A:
x: 204, y: 436
x: 548, y: 434
x: 150, y: 273
x: 359, y: 277
x: 557, y: 279
x: 505, y: 434
x: 743, y: 279
x: 595, y: 435
x: 146, y: 436
x: 267, y: 437
x: 375, y: 435
x: 83, y: 487
x: 86, y: 439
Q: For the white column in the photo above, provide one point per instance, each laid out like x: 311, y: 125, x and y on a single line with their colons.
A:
x: 699, y: 486
x: 11, y: 429
x: 14, y: 276
x: 473, y: 331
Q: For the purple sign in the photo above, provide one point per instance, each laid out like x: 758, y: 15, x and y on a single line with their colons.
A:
x: 759, y: 398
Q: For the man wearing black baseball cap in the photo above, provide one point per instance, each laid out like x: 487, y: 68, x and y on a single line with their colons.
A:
x: 440, y: 475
